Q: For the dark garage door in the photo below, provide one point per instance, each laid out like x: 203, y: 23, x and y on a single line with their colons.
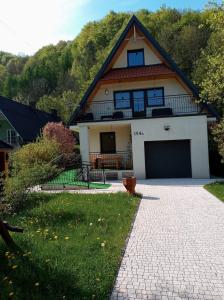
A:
x: 168, y: 159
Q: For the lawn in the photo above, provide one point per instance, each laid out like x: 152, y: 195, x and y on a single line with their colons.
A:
x: 217, y: 189
x: 68, y: 178
x: 71, y: 247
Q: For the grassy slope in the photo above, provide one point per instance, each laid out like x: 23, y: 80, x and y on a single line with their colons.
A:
x: 63, y: 249
x: 217, y: 189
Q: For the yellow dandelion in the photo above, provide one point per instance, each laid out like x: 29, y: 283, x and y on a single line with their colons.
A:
x: 97, y: 238
x: 55, y: 237
x: 102, y: 244
x: 66, y: 238
x: 37, y: 284
x: 99, y: 220
x: 14, y: 267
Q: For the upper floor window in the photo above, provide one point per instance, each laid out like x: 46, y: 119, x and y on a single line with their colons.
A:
x: 122, y: 99
x: 155, y: 97
x: 11, y: 137
x: 136, y: 58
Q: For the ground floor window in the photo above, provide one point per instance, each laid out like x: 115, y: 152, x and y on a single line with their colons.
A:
x: 107, y: 142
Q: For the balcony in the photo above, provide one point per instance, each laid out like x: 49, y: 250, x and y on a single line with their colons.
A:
x: 138, y: 108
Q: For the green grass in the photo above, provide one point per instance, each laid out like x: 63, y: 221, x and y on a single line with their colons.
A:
x: 71, y: 246
x: 68, y: 178
x: 217, y: 189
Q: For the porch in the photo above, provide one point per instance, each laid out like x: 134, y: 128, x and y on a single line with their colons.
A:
x: 108, y: 151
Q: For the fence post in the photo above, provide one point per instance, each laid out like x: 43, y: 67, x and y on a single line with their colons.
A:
x: 104, y: 178
x: 88, y: 179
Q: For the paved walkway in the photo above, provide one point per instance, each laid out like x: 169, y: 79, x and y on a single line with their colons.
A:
x: 176, y: 248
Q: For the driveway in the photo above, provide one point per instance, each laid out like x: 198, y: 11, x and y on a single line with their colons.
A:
x: 176, y: 247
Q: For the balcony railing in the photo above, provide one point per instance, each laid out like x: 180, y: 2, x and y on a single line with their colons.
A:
x: 139, y: 108
x: 120, y: 160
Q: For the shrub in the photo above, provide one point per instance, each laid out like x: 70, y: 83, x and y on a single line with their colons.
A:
x: 32, y: 165
x: 62, y: 135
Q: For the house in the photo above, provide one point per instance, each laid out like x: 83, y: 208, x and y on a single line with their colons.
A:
x: 140, y: 114
x: 19, y: 124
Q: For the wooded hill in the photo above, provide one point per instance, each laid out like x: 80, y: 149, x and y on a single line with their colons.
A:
x: 57, y: 76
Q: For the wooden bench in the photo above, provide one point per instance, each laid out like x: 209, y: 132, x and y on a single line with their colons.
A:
x: 107, y: 161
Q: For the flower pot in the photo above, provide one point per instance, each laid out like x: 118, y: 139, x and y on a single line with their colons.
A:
x: 129, y: 183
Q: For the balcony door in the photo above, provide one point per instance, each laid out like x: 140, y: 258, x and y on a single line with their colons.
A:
x: 138, y: 104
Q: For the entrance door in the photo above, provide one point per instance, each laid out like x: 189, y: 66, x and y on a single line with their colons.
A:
x: 2, y: 161
x: 138, y: 104
x: 168, y: 159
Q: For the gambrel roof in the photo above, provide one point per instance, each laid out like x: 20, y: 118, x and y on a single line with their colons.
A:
x: 170, y: 66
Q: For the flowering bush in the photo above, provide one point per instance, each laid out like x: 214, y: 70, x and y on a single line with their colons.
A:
x: 62, y: 135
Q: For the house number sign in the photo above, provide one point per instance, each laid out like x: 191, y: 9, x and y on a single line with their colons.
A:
x: 138, y: 132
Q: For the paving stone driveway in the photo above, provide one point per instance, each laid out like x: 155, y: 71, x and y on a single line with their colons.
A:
x: 176, y: 248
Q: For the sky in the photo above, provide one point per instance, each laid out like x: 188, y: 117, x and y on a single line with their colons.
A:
x: 28, y: 25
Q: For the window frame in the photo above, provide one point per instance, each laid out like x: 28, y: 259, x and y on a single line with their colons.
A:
x: 115, y: 101
x: 163, y: 98
x: 145, y: 97
x: 133, y: 51
x: 101, y: 142
x: 9, y: 136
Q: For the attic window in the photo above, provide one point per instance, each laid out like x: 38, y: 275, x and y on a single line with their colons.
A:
x: 136, y: 58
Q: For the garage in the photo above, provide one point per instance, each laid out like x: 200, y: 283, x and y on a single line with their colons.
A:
x: 168, y: 159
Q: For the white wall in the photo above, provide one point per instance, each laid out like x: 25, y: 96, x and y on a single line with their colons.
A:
x: 171, y: 87
x: 122, y: 136
x: 193, y: 128
x: 150, y: 57
x: 84, y: 142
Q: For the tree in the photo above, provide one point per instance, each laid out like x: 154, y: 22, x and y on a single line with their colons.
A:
x: 210, y: 67
x: 62, y: 135
x: 218, y: 133
x: 64, y: 104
